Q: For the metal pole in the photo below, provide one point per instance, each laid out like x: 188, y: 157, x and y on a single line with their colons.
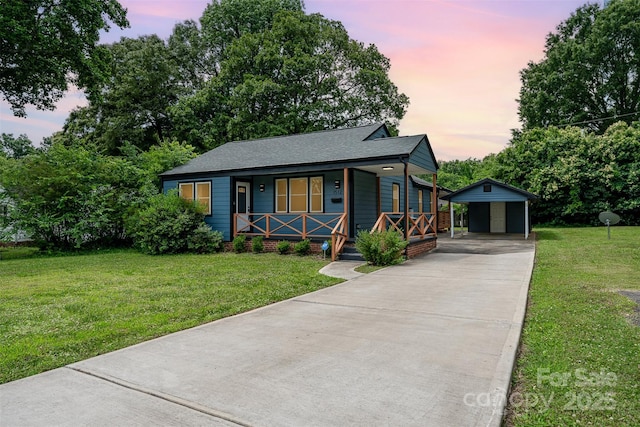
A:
x: 453, y: 219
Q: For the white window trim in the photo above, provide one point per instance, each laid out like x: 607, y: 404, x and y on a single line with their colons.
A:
x: 286, y: 195
x: 311, y: 194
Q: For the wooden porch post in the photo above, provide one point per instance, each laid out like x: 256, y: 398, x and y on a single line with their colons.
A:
x: 434, y: 201
x: 406, y: 200
x: 345, y: 197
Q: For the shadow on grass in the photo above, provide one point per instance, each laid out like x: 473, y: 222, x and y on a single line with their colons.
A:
x: 548, y: 235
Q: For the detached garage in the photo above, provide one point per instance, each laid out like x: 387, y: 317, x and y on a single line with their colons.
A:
x: 494, y: 207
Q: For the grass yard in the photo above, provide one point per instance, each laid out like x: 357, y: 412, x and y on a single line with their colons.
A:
x: 580, y: 354
x: 58, y: 310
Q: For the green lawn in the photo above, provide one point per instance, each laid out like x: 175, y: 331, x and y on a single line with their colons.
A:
x: 58, y: 310
x: 580, y: 354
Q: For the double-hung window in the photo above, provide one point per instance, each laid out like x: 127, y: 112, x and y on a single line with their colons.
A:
x: 301, y: 194
x: 198, y: 191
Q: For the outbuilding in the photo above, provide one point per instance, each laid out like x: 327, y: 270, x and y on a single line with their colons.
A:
x: 494, y: 207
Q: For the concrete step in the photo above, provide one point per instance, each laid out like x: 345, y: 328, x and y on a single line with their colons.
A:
x: 350, y: 253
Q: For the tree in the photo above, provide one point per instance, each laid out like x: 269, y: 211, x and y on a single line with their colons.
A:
x: 144, y: 82
x: 590, y: 75
x: 74, y: 197
x: 301, y: 74
x: 15, y: 147
x: 45, y: 45
x: 576, y: 174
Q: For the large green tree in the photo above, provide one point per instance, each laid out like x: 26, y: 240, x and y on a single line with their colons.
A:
x: 131, y: 109
x: 15, y: 148
x: 301, y: 74
x: 47, y: 44
x: 576, y: 174
x: 590, y: 75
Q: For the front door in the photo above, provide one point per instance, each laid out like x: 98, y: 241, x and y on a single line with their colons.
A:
x: 498, y: 218
x: 243, y: 205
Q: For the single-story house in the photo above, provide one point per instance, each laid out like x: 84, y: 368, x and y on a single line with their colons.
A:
x: 494, y: 207
x: 323, y: 185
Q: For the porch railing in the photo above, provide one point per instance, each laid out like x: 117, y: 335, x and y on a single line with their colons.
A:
x: 339, y: 237
x: 303, y: 225
x: 420, y: 224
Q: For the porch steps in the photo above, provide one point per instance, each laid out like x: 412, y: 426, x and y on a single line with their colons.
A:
x: 350, y: 253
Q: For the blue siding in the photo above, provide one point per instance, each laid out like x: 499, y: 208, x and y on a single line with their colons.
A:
x: 413, y: 199
x: 497, y: 194
x: 330, y: 192
x: 365, y: 200
x: 386, y: 194
x: 220, y: 218
x: 263, y: 202
x: 422, y: 157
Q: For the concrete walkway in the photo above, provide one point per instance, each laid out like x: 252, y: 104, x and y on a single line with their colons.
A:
x: 430, y: 342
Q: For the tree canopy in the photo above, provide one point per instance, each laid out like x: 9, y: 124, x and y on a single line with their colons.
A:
x: 590, y: 75
x: 302, y: 74
x: 576, y: 174
x: 250, y: 69
x: 45, y: 45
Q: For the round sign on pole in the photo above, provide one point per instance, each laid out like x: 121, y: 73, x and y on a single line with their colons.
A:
x: 609, y: 218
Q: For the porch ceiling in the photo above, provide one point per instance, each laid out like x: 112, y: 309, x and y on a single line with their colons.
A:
x: 394, y: 169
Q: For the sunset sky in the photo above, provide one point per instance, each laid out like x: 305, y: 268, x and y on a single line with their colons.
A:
x: 458, y: 61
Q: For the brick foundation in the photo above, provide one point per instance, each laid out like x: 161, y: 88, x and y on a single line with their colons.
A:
x: 270, y: 246
x: 419, y: 247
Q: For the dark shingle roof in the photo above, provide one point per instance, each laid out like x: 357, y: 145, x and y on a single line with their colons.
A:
x: 342, y: 145
x: 491, y: 181
x: 422, y: 183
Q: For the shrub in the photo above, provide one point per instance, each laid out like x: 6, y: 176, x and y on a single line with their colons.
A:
x: 239, y: 243
x: 283, y: 247
x: 166, y: 224
x: 257, y: 244
x: 203, y: 240
x: 303, y: 247
x: 381, y: 248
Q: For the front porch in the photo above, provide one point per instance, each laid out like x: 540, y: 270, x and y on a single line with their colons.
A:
x: 358, y: 212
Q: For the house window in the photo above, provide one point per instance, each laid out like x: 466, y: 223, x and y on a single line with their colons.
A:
x: 395, y: 197
x: 186, y: 190
x: 316, y: 194
x: 203, y: 196
x: 281, y: 195
x: 420, y: 209
x: 198, y: 191
x: 487, y: 188
x: 300, y: 194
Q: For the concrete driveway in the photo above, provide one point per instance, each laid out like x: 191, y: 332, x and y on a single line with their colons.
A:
x: 430, y: 342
